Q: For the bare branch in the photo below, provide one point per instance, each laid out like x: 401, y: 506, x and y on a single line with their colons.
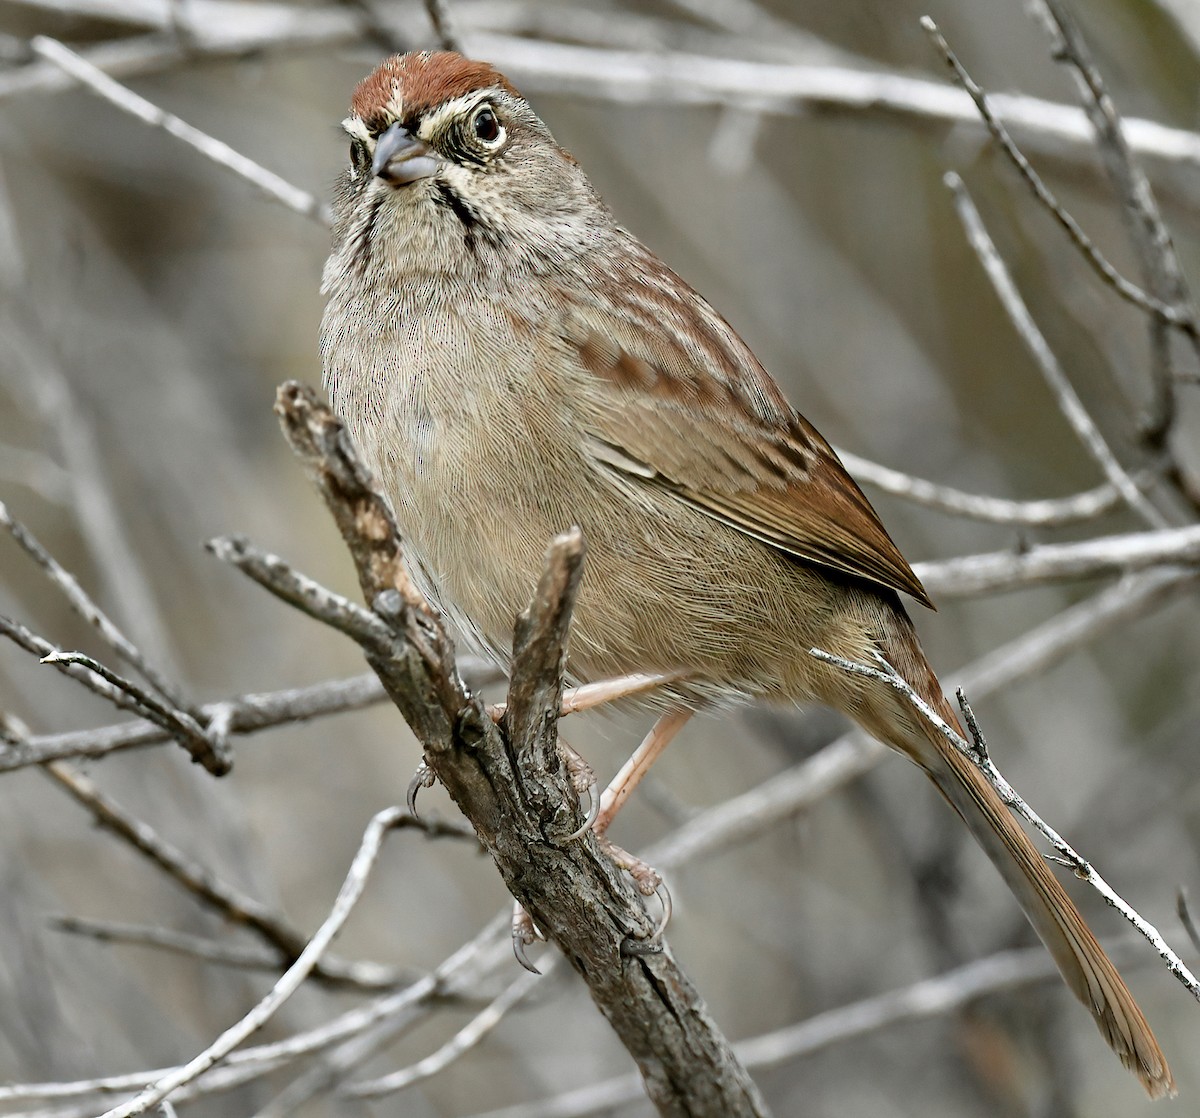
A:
x: 85, y: 608
x: 230, y: 902
x: 245, y: 714
x: 1068, y: 400
x: 248, y: 714
x: 665, y: 76
x: 260, y: 1060
x: 978, y: 755
x: 288, y: 984
x: 1002, y: 571
x: 276, y: 575
x: 1052, y: 512
x: 458, y: 1045
x: 203, y: 747
x: 166, y: 939
x: 1161, y: 269
x: 95, y: 79
x: 1129, y: 291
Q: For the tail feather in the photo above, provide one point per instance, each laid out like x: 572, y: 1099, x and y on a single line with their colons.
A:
x: 1086, y: 969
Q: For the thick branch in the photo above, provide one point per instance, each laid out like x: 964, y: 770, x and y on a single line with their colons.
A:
x: 515, y: 793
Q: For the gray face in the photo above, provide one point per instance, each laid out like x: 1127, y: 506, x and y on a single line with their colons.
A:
x: 456, y: 182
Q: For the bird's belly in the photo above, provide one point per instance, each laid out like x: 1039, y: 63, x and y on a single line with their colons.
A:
x: 665, y: 588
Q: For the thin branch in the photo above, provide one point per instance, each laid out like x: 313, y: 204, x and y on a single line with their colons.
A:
x: 204, y: 949
x: 1161, y: 269
x: 123, y: 694
x: 456, y: 1047
x: 443, y: 25
x: 203, y: 746
x: 669, y: 77
x: 252, y: 713
x: 1001, y: 571
x: 245, y: 714
x: 298, y: 590
x: 977, y: 753
x: 288, y: 984
x: 233, y: 905
x: 264, y: 1058
x: 1052, y: 512
x: 1128, y: 290
x: 1068, y: 400
x: 745, y: 817
x: 939, y: 996
x: 337, y: 1065
x: 272, y: 185
x: 624, y: 76
x: 84, y: 607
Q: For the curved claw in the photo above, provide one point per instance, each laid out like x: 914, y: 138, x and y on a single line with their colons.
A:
x: 652, y: 944
x: 668, y: 907
x: 519, y: 946
x: 524, y: 933
x: 422, y: 778
x: 593, y: 813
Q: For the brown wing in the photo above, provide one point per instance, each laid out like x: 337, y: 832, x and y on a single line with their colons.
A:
x: 727, y: 442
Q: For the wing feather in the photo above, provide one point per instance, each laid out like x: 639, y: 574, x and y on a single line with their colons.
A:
x: 679, y: 402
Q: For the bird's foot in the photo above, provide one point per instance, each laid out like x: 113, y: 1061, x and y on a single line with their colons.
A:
x: 583, y: 779
x: 525, y: 933
x: 649, y: 883
x: 422, y: 778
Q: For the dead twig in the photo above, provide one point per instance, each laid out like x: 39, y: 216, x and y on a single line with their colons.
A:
x: 288, y: 984
x: 272, y: 185
x: 1052, y: 372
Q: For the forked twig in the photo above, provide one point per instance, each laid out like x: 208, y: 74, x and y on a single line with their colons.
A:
x: 1068, y: 399
x: 288, y: 984
x: 977, y: 751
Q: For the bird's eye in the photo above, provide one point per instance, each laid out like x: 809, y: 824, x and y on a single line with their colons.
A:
x: 360, y: 158
x: 487, y: 127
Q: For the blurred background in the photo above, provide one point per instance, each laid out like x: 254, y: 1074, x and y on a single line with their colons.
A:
x: 150, y: 302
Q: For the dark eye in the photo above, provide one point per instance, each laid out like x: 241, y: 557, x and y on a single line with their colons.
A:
x: 360, y: 158
x: 487, y: 127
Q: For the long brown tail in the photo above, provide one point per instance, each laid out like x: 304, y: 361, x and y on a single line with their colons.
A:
x: 1085, y: 967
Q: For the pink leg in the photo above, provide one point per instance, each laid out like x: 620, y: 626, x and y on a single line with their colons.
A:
x: 591, y: 695
x: 638, y: 766
x: 645, y: 877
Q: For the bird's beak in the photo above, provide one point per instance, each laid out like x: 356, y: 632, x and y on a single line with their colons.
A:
x: 401, y: 158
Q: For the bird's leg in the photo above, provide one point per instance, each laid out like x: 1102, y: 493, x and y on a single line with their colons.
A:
x: 576, y: 699
x: 659, y: 737
x: 645, y: 877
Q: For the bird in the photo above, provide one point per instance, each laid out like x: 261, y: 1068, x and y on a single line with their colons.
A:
x: 504, y: 353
